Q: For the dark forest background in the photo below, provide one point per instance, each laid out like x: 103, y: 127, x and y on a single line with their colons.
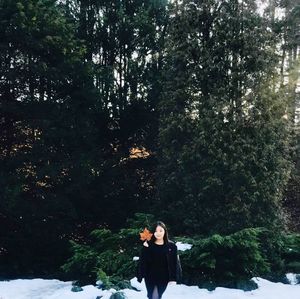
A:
x: 187, y: 110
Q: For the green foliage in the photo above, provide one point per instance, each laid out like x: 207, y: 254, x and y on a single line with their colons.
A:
x: 224, y: 146
x: 68, y: 121
x: 40, y: 57
x: 292, y: 253
x: 82, y: 262
x: 233, y: 259
x: 225, y: 260
x: 84, y: 82
x: 108, y: 256
x: 141, y: 220
x: 219, y: 260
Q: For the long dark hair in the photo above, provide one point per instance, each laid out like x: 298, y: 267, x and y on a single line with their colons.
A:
x: 166, y: 235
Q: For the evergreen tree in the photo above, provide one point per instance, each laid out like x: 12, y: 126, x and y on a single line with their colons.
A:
x: 124, y: 44
x: 44, y: 96
x: 286, y: 24
x: 78, y: 98
x: 224, y: 143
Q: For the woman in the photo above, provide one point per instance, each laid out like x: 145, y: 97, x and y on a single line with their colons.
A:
x: 159, y: 263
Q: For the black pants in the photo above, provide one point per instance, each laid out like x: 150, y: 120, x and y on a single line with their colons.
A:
x: 150, y: 285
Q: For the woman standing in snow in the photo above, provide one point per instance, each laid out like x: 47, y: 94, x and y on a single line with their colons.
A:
x: 159, y: 263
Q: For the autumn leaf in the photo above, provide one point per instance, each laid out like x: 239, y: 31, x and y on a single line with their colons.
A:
x: 145, y: 235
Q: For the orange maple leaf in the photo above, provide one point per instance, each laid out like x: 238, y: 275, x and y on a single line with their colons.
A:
x: 145, y: 235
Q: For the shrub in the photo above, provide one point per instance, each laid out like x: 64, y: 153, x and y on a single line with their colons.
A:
x: 109, y: 256
x: 212, y: 261
x: 225, y: 260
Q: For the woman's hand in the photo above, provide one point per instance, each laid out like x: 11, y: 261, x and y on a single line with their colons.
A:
x: 146, y: 244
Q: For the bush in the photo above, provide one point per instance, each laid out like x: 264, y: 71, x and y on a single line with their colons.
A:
x: 228, y: 261
x: 82, y: 263
x: 283, y: 253
x: 109, y: 256
x: 231, y: 260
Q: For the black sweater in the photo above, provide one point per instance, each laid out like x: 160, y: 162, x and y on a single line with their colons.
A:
x: 159, y: 263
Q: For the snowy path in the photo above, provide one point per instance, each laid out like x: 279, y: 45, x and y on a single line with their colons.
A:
x: 55, y: 289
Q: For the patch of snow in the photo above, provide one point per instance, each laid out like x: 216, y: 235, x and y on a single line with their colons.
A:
x: 183, y: 246
x: 292, y: 278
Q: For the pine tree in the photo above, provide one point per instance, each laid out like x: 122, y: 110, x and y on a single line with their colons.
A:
x: 42, y: 87
x: 224, y: 158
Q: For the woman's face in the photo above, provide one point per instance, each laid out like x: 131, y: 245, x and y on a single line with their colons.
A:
x: 159, y: 233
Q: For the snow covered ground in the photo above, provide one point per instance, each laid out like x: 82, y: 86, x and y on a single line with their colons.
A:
x: 55, y: 289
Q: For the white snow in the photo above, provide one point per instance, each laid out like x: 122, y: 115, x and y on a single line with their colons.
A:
x: 292, y: 278
x: 183, y: 246
x: 55, y: 289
